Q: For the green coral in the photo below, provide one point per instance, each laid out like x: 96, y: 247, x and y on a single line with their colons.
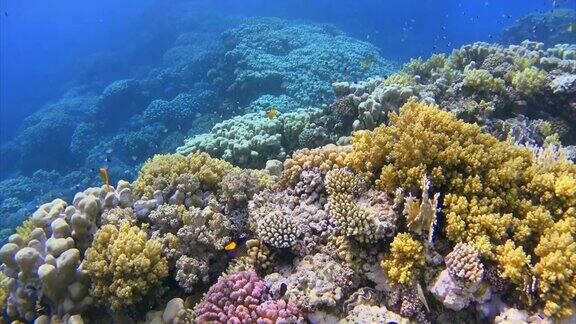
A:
x: 400, y: 79
x: 482, y: 81
x: 406, y: 259
x: 124, y: 266
x: 530, y: 81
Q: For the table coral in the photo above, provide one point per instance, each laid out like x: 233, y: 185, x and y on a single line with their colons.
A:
x: 124, y: 266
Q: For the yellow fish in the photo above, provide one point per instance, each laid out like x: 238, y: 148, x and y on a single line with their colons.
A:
x: 570, y: 28
x: 272, y: 112
x: 367, y: 62
x: 105, y: 177
x: 230, y: 246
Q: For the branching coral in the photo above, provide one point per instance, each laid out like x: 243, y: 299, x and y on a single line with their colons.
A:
x: 406, y: 259
x: 365, y: 219
x: 124, y: 266
x: 556, y: 269
x: 482, y: 81
x: 529, y: 81
x: 491, y: 188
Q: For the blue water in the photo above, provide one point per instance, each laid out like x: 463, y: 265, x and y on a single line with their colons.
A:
x: 44, y: 43
x: 58, y: 57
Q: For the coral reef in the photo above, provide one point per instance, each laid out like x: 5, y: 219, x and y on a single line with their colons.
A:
x: 549, y: 27
x: 195, y: 80
x: 485, y: 83
x: 269, y: 56
x: 250, y: 140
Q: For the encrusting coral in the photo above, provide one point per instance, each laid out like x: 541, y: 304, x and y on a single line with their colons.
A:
x: 124, y: 266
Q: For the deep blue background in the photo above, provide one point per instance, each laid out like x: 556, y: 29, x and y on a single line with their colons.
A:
x: 45, y: 42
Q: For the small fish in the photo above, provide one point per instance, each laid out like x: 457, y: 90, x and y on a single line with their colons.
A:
x: 108, y: 159
x: 272, y: 112
x: 570, y: 28
x: 230, y: 246
x: 105, y: 178
x: 367, y: 61
x: 283, y: 288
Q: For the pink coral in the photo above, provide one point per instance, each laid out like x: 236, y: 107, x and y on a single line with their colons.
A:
x: 279, y: 312
x: 233, y: 299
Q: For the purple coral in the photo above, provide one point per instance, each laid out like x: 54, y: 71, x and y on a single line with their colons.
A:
x: 233, y: 299
x: 279, y: 312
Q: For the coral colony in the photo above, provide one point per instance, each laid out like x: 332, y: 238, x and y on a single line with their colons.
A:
x: 442, y: 192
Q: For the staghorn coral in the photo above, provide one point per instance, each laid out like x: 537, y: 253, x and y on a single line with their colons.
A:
x: 124, y: 266
x: 464, y: 263
x: 406, y: 259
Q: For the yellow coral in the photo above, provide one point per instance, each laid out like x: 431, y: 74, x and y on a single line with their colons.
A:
x: 25, y: 229
x: 326, y: 158
x: 495, y: 193
x: 124, y: 265
x: 514, y: 263
x: 406, y: 259
x: 556, y: 269
x: 3, y: 293
x: 169, y: 167
x: 400, y: 79
x: 482, y: 81
x: 529, y: 81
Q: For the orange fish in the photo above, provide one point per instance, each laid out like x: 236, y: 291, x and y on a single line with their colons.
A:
x: 105, y: 178
x: 230, y: 246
